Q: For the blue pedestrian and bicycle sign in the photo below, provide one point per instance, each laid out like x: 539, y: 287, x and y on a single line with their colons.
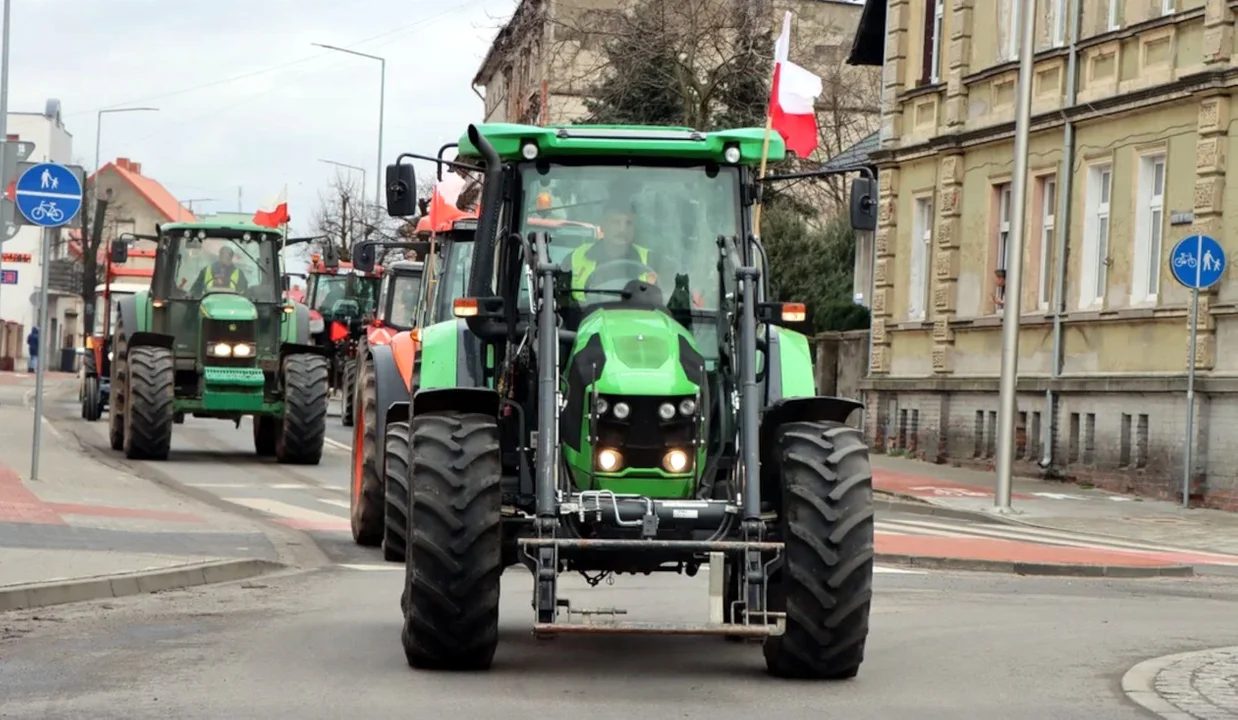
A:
x: 49, y: 195
x: 1197, y: 262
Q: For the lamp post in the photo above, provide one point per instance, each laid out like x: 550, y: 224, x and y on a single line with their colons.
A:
x: 346, y: 165
x: 99, y: 126
x: 382, y: 95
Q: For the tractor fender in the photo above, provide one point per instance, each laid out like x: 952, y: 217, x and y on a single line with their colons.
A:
x: 301, y: 324
x: 149, y: 339
x: 128, y: 311
x: 481, y: 400
x: 391, y: 396
x: 289, y: 348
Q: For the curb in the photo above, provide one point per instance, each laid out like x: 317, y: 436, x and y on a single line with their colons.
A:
x: 59, y: 592
x: 1139, y: 684
x: 896, y: 502
x: 1013, y: 567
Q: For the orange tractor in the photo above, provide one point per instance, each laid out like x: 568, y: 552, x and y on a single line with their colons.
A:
x: 118, y: 281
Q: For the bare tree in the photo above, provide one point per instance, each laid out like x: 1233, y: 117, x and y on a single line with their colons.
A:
x: 346, y: 218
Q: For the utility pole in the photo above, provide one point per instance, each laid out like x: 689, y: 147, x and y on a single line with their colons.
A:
x: 1012, y: 309
x: 4, y: 111
x: 239, y: 196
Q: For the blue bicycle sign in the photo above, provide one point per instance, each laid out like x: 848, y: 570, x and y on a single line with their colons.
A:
x: 1197, y: 262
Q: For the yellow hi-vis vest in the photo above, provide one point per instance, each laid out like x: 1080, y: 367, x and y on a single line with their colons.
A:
x: 583, y: 266
x: 232, y: 278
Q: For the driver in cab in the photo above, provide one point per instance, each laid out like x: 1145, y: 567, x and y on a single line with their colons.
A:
x: 223, y: 274
x: 617, y: 248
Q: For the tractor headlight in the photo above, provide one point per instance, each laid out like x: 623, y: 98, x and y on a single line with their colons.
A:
x: 609, y: 460
x: 109, y: 354
x: 529, y: 151
x: 675, y: 461
x: 687, y: 407
x: 622, y: 410
x: 602, y: 406
x: 731, y: 154
x: 666, y: 411
x: 242, y: 350
x: 221, y: 350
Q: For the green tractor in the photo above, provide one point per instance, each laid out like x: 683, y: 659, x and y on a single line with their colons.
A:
x: 213, y: 338
x: 627, y: 402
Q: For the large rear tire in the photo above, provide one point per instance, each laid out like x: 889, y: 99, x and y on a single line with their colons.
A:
x: 451, y: 599
x: 304, y: 429
x: 825, y: 584
x: 150, y: 391
x: 396, y: 492
x: 348, y: 392
x: 92, y: 400
x: 266, y: 435
x: 366, y: 497
x: 116, y: 399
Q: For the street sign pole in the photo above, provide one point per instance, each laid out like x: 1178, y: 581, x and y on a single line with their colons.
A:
x: 41, y: 367
x: 50, y: 196
x: 1197, y: 263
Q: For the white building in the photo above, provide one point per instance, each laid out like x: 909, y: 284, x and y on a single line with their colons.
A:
x: 19, y: 303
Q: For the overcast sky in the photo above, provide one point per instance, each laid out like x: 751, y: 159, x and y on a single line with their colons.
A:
x: 244, y: 100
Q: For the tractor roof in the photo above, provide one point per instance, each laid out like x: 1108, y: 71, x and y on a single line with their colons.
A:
x: 217, y: 226
x: 626, y: 140
x: 406, y: 267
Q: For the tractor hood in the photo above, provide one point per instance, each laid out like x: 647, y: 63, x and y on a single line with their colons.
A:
x: 644, y: 351
x: 228, y: 306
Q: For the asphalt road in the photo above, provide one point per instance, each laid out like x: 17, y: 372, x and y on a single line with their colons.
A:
x: 326, y: 643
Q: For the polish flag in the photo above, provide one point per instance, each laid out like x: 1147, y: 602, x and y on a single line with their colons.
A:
x: 791, y: 98
x: 274, y: 212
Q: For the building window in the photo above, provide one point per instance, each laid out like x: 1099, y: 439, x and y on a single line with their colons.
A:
x: 921, y: 244
x: 1057, y: 22
x: 1048, y: 192
x: 1003, y: 223
x: 1095, y: 265
x: 1115, y: 14
x: 1167, y: 7
x: 930, y: 71
x: 1008, y: 17
x: 1149, y: 229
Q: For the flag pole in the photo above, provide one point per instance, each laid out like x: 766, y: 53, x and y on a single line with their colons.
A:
x: 756, y: 210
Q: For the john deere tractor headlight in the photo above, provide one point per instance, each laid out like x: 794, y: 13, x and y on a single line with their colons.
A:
x: 221, y: 350
x: 675, y: 461
x: 731, y: 154
x: 666, y: 411
x: 242, y: 350
x: 622, y: 410
x: 687, y: 407
x: 602, y: 406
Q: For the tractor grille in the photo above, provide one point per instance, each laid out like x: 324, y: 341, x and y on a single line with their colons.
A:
x: 643, y: 437
x: 229, y: 331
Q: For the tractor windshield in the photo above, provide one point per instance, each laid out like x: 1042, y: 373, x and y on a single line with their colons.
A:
x: 612, y: 224
x: 207, y: 264
x: 345, y: 294
x: 405, y: 292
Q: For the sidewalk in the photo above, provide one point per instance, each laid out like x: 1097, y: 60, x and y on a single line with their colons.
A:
x: 88, y: 529
x: 1059, y: 506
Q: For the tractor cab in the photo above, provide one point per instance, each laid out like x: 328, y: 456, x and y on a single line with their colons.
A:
x: 340, y: 297
x: 400, y: 295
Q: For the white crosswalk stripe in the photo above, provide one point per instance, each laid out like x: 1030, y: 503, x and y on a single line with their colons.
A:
x: 379, y: 567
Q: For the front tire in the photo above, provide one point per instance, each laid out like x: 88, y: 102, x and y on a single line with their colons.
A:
x: 451, y: 600
x: 347, y: 392
x: 150, y: 391
x: 396, y: 492
x: 92, y: 400
x: 266, y: 435
x: 304, y: 429
x: 825, y: 584
x: 366, y: 497
x: 116, y: 399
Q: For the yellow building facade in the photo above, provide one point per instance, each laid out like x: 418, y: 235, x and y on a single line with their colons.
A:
x: 1132, y: 139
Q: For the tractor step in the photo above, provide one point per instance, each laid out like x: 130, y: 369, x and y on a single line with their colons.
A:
x: 658, y: 628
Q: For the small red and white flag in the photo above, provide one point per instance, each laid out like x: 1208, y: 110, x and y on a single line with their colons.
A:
x: 274, y: 212
x: 792, y: 95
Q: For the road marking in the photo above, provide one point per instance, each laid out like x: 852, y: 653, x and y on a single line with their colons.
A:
x: 221, y: 486
x: 285, y: 510
x: 884, y: 570
x: 338, y: 503
x: 338, y: 445
x: 375, y: 567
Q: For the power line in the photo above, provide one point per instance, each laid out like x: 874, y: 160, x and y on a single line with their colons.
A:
x: 284, y: 66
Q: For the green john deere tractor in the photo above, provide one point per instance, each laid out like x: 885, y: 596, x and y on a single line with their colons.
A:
x: 627, y: 401
x: 213, y: 338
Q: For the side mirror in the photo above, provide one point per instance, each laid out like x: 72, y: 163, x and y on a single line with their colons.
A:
x: 287, y: 283
x: 401, y: 190
x: 864, y: 204
x: 363, y: 257
x: 120, y: 251
x: 331, y: 255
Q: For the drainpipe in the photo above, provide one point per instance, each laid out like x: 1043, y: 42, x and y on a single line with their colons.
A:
x: 1061, y: 234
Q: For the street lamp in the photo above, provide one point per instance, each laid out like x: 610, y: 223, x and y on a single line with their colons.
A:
x: 99, y: 126
x: 382, y: 94
x: 346, y: 165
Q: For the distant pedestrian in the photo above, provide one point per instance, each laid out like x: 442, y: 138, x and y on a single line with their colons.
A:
x: 32, y: 345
